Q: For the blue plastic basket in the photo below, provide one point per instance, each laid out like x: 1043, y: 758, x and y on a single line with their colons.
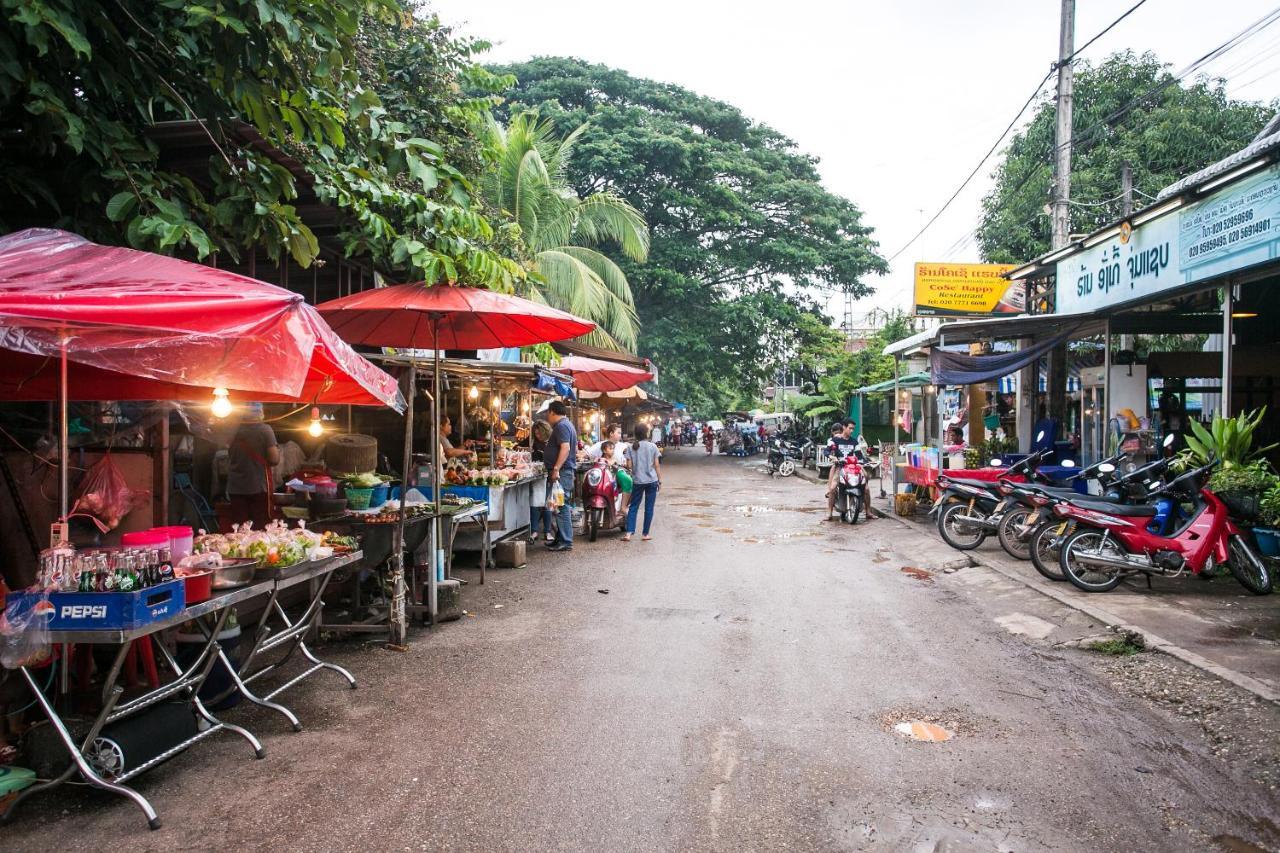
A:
x: 478, y: 493
x: 99, y: 611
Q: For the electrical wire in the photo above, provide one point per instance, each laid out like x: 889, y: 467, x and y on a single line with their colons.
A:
x: 995, y: 145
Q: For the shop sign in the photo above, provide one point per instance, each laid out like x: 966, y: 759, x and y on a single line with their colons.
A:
x: 967, y: 290
x: 1235, y: 228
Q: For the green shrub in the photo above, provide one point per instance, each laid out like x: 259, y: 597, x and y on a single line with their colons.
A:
x: 1254, y: 478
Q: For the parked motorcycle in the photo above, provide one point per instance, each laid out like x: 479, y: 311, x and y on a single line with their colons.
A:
x: 782, y: 457
x: 969, y: 510
x: 1133, y: 486
x: 601, y: 499
x: 1113, y: 541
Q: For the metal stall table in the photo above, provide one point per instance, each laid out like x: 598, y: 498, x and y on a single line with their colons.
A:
x: 377, y: 543
x: 92, y: 756
x: 289, y: 635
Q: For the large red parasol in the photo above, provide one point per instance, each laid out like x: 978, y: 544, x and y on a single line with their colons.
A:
x: 469, y: 318
x: 440, y: 317
x: 596, y: 374
x: 138, y: 326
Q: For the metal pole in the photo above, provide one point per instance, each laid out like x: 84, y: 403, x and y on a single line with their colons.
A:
x: 1228, y: 305
x: 894, y: 420
x: 64, y: 473
x: 1126, y: 189
x: 1105, y: 403
x: 398, y: 620
x: 437, y: 470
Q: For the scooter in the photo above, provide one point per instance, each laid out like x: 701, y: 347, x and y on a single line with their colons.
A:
x: 1113, y: 541
x: 601, y: 499
x: 969, y: 510
x: 851, y: 485
x: 782, y: 458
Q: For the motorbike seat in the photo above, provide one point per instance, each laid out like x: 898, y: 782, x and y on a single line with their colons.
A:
x: 1134, y: 510
x: 1065, y: 493
x: 977, y: 484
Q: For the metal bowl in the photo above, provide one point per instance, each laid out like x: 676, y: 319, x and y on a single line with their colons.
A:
x: 233, y: 574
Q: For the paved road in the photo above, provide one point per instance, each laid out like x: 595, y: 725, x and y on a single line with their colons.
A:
x: 736, y: 688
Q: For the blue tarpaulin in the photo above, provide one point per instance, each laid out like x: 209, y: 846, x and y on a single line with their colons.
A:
x: 953, y: 368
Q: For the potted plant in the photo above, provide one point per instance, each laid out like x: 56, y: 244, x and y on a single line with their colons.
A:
x: 1241, y: 488
x: 1267, y: 533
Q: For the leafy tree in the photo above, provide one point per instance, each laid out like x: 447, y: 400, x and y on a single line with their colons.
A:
x: 362, y: 92
x: 561, y: 229
x: 740, y: 224
x: 1167, y: 135
x: 845, y: 372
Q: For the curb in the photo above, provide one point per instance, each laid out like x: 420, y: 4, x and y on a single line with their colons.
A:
x: 1115, y: 623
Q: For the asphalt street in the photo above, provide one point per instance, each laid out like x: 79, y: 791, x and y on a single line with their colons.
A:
x: 732, y: 685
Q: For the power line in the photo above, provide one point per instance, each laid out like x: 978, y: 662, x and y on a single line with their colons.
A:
x: 985, y: 157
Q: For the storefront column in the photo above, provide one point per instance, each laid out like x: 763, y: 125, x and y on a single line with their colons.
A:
x: 1105, y: 406
x: 1025, y: 400
x: 1228, y: 305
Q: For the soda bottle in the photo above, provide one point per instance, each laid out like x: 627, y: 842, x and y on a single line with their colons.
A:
x: 165, y: 565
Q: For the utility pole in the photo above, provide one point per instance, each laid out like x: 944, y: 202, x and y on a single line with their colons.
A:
x: 1062, y: 137
x: 1126, y: 189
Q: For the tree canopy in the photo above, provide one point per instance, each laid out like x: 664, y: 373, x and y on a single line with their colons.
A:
x: 741, y: 228
x: 365, y: 94
x: 1172, y: 131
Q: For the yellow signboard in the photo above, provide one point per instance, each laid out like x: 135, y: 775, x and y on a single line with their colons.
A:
x: 967, y: 290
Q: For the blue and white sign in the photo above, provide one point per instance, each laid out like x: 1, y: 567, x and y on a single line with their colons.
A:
x: 1233, y: 229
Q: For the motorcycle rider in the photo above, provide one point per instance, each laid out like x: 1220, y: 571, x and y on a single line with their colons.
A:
x: 839, y: 445
x: 615, y: 453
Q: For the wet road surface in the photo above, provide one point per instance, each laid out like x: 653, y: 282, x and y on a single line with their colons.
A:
x: 737, y: 687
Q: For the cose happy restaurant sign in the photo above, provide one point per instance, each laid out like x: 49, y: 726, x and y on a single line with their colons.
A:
x: 956, y: 290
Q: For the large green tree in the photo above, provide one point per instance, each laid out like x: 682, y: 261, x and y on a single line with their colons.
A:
x: 564, y: 232
x: 366, y: 94
x: 741, y: 227
x: 1167, y: 130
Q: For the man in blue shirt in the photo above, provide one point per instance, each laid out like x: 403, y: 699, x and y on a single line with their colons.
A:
x: 561, y: 459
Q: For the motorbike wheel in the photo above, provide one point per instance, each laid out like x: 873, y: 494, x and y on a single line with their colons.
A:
x: 786, y: 467
x: 1012, y: 533
x: 854, y: 503
x: 1248, y: 568
x: 1084, y: 577
x: 1044, y: 545
x: 594, y: 521
x: 958, y: 533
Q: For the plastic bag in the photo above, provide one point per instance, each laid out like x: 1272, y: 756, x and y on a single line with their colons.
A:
x: 105, y: 495
x: 556, y: 499
x: 24, y: 631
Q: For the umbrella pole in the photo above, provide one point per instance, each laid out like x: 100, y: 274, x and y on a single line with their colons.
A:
x: 65, y: 468
x: 399, y: 628
x: 437, y: 470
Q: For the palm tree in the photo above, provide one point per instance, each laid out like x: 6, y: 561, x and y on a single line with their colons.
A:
x: 529, y: 182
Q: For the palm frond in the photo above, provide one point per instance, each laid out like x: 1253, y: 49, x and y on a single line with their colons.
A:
x: 607, y: 218
x: 558, y: 163
x: 570, y: 282
x: 621, y: 319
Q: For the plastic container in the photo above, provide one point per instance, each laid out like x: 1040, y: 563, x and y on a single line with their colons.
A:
x: 153, y: 538
x: 181, y: 540
x: 198, y: 587
x: 379, y: 496
x: 358, y: 498
x: 324, y: 486
x: 219, y: 681
x: 94, y: 611
x: 1268, y: 541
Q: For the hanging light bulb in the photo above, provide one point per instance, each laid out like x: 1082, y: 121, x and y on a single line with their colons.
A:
x: 316, y: 429
x: 525, y: 407
x: 497, y: 401
x: 474, y: 393
x: 221, y: 405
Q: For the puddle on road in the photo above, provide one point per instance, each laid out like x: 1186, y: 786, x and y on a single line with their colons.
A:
x: 1236, y: 844
x: 698, y: 515
x: 798, y: 534
x: 724, y: 530
x: 753, y: 509
x: 751, y: 540
x: 922, y: 731
x: 918, y: 574
x: 697, y: 503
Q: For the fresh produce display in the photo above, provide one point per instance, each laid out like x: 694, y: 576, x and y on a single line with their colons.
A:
x: 340, y: 544
x: 363, y: 481
x: 389, y: 513
x: 458, y: 474
x: 276, y: 546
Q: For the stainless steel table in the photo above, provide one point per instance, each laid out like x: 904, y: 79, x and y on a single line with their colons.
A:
x: 85, y: 756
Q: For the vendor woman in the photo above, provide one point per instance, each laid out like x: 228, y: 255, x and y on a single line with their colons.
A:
x: 250, y: 458
x: 446, y: 446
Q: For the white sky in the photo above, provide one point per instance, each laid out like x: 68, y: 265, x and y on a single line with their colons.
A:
x: 897, y: 99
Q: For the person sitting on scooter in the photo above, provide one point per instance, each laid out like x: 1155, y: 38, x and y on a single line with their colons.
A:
x: 616, y: 453
x: 840, y: 445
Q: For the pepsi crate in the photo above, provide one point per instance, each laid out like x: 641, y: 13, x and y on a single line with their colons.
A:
x: 478, y: 493
x: 105, y: 611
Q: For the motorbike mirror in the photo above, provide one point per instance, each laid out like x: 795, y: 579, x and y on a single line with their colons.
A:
x: 1040, y: 435
x: 996, y: 463
x: 1168, y: 440
x: 1106, y: 468
x: 1068, y: 463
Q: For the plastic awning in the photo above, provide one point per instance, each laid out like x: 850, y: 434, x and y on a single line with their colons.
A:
x: 139, y: 326
x: 911, y: 380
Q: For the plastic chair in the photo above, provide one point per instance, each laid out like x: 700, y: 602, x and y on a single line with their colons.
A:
x: 195, y: 504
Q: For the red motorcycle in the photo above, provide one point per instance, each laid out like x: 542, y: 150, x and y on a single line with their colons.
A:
x: 851, y: 488
x: 601, y: 499
x: 1112, y: 541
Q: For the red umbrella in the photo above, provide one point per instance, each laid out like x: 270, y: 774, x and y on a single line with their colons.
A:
x: 469, y: 318
x: 138, y: 326
x: 439, y: 317
x: 596, y: 374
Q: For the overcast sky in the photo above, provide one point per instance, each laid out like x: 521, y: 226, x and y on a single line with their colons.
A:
x: 899, y: 100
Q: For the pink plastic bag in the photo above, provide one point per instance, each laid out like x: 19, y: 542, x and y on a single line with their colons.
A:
x: 106, y: 496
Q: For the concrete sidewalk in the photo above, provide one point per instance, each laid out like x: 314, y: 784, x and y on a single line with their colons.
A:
x: 1214, y: 625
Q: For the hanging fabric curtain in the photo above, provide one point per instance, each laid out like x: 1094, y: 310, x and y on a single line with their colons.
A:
x: 953, y: 368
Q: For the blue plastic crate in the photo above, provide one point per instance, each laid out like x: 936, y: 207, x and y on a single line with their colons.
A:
x: 98, y: 611
x: 478, y: 493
